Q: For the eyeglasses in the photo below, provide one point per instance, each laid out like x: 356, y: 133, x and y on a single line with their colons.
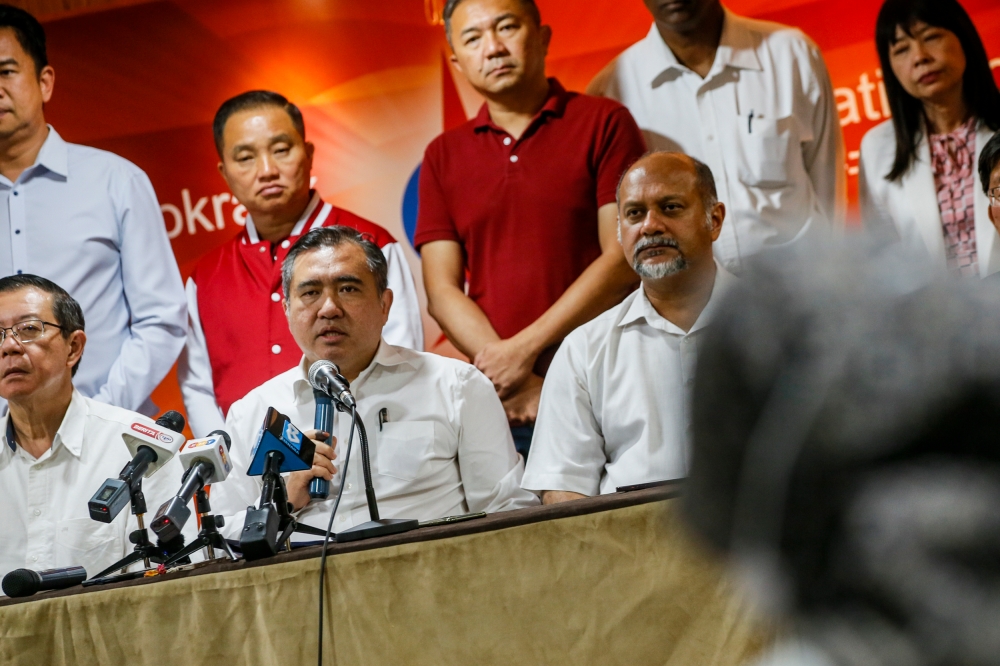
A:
x: 994, y: 196
x: 27, y: 331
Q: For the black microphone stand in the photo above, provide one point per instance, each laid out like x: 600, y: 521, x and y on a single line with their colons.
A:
x: 375, y: 526
x: 209, y: 537
x: 272, y: 523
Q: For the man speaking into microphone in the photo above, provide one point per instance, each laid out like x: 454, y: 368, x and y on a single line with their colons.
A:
x: 58, y: 446
x: 438, y: 433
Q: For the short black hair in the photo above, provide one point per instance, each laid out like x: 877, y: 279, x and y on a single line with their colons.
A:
x: 451, y: 5
x: 67, y: 312
x: 254, y: 99
x: 334, y: 237
x: 989, y: 159
x: 29, y: 32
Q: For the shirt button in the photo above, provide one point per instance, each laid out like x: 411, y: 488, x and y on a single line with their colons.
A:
x: 34, y: 558
x: 263, y: 249
x: 513, y: 158
x: 15, y: 193
x: 18, y: 271
x: 285, y: 244
x: 349, y: 486
x: 710, y: 137
x: 37, y: 512
x: 343, y: 519
x: 276, y: 349
x: 276, y: 297
x: 17, y: 231
x: 507, y: 141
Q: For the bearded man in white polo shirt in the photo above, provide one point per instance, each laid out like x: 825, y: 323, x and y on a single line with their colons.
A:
x: 615, y: 406
x: 58, y: 446
x: 438, y: 432
x: 751, y: 99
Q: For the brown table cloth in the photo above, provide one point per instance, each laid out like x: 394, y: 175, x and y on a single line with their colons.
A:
x: 610, y: 580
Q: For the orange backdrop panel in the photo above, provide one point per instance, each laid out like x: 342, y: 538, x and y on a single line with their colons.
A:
x: 144, y: 81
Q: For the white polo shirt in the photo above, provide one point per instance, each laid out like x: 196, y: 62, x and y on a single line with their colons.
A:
x: 445, y: 447
x: 616, y: 403
x: 764, y: 120
x: 46, y: 523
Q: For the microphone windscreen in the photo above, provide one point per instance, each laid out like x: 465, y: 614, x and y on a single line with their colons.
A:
x: 172, y: 421
x: 21, y: 583
x: 318, y: 369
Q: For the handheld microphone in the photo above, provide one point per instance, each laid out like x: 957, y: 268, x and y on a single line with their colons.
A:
x: 151, y: 447
x: 325, y: 376
x: 319, y: 488
x: 25, y: 582
x: 294, y: 449
x: 205, y: 461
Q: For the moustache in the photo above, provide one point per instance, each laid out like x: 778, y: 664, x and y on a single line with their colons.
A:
x: 654, y: 241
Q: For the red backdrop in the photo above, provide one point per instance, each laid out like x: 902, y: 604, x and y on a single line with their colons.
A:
x: 371, y: 78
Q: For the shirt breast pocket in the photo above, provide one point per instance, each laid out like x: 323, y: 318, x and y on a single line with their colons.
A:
x: 404, y: 448
x: 86, y: 543
x: 764, y: 152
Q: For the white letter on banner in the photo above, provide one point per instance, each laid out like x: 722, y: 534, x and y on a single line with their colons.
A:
x: 178, y: 219
x: 217, y: 202
x: 195, y: 213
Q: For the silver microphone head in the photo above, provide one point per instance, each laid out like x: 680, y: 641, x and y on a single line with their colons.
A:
x: 319, y: 372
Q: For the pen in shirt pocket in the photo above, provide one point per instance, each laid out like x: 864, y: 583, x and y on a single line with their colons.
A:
x: 383, y: 417
x: 750, y: 122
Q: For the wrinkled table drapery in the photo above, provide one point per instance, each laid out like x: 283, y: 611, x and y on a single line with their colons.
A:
x: 608, y: 580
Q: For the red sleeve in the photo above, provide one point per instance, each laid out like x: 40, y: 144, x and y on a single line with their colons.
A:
x: 434, y: 222
x: 620, y: 146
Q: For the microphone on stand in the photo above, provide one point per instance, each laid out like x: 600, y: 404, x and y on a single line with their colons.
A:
x: 325, y: 377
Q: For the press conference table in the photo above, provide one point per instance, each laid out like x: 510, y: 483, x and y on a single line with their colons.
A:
x: 607, y: 580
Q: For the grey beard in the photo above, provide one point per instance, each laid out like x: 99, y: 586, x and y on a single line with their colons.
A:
x: 660, y: 270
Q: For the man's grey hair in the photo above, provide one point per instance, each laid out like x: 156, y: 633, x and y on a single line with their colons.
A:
x: 451, y: 5
x: 704, y: 180
x: 335, y: 237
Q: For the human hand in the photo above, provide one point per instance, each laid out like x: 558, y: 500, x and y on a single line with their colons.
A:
x: 508, y: 363
x: 297, y: 483
x: 522, y: 406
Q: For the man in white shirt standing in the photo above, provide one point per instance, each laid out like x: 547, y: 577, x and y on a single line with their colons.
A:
x: 437, y: 430
x: 615, y: 406
x: 58, y: 447
x: 90, y: 221
x: 751, y: 99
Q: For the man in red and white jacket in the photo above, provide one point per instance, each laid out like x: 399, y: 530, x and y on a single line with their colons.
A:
x: 238, y: 334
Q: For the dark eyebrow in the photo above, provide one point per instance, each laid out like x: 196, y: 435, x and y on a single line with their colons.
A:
x: 287, y: 138
x: 9, y: 61
x: 497, y: 20
x: 351, y: 279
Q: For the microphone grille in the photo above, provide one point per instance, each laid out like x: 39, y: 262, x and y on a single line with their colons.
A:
x: 21, y: 583
x: 171, y: 420
x: 316, y: 368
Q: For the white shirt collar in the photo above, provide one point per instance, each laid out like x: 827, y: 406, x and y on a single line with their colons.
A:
x: 69, y: 434
x: 386, y: 356
x: 299, y: 226
x: 642, y: 309
x: 736, y: 49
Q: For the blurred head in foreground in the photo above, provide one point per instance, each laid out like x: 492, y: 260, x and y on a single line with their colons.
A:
x: 846, y: 415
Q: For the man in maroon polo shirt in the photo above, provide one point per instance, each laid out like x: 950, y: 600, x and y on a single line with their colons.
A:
x: 522, y: 197
x: 238, y: 335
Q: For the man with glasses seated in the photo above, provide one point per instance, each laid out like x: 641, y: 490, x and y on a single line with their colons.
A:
x: 989, y: 176
x: 58, y: 446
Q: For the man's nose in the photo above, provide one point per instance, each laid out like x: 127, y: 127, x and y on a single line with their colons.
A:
x: 493, y: 46
x: 267, y: 168
x: 330, y: 308
x: 10, y: 345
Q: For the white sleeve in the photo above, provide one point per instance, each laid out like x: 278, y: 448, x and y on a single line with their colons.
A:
x: 491, y: 468
x: 824, y: 155
x: 232, y: 497
x: 567, y: 449
x: 194, y: 372
x: 405, y: 326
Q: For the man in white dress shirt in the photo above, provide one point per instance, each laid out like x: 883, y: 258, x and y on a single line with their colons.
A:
x: 751, y: 99
x: 615, y: 405
x: 437, y: 430
x: 90, y: 221
x: 58, y: 446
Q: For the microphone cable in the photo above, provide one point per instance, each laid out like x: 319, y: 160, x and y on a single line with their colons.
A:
x: 329, y: 526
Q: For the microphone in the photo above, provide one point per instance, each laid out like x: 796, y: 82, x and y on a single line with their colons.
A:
x: 319, y: 488
x: 205, y: 461
x: 325, y: 376
x: 25, y: 582
x: 151, y: 448
x: 277, y: 434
